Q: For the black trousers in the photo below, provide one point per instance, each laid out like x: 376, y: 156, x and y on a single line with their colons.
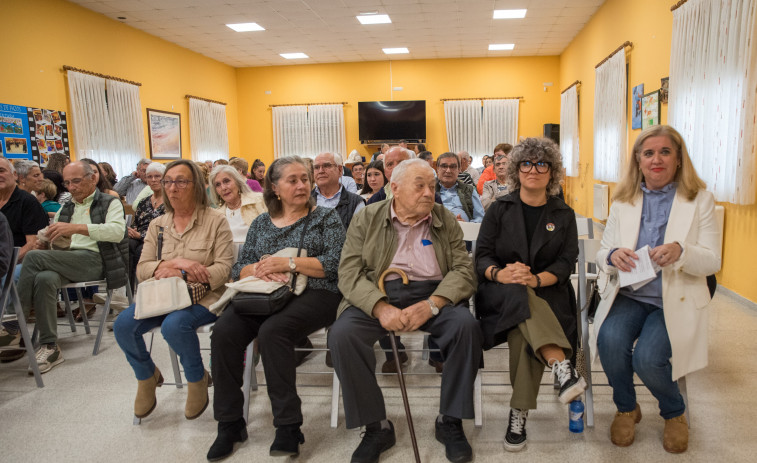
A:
x: 277, y: 334
x: 135, y: 252
x: 352, y: 336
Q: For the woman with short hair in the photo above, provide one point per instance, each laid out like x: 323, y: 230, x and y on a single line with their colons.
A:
x: 147, y: 210
x: 241, y: 166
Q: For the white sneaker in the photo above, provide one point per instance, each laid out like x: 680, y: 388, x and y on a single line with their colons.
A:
x: 9, y: 340
x: 47, y: 358
x: 571, y: 385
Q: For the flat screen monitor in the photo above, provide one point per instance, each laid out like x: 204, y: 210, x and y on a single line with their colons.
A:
x: 381, y: 121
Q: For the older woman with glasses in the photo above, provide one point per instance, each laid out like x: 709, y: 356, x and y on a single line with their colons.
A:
x: 148, y: 209
x: 527, y: 249
x: 235, y: 200
x: 494, y: 189
x: 195, y: 243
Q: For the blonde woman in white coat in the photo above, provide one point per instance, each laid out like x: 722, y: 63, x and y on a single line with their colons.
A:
x: 236, y: 201
x: 658, y: 331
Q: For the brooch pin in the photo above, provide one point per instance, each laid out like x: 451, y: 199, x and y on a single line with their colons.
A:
x: 550, y: 227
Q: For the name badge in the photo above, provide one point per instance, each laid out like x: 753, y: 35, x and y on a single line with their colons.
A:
x: 550, y: 227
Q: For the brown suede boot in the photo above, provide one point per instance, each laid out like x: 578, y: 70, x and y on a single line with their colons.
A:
x: 622, y: 430
x: 675, y: 438
x: 197, y: 397
x: 146, y: 401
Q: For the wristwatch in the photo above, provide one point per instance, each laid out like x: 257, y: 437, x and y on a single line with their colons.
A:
x: 434, y: 308
x: 292, y: 265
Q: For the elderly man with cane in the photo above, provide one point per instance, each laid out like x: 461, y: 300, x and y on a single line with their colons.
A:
x: 422, y: 239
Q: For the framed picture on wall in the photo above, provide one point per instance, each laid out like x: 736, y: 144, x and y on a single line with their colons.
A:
x: 650, y: 109
x: 164, y: 133
x: 638, y: 92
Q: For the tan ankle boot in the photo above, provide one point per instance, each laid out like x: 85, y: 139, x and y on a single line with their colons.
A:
x: 622, y: 430
x: 197, y: 397
x: 146, y: 401
x: 675, y: 438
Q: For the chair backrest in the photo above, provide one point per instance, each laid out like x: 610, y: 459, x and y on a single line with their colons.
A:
x: 470, y: 230
x: 8, y: 281
x: 587, y: 255
x: 585, y: 226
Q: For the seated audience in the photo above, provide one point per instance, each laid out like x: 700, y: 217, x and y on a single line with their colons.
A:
x: 419, y: 148
x: 458, y: 197
x: 29, y: 175
x: 220, y: 162
x: 54, y: 171
x: 6, y: 248
x: 290, y: 210
x: 147, y: 210
x: 241, y: 165
x: 526, y: 251
x: 258, y: 171
x: 441, y: 280
x: 238, y: 204
x: 46, y: 194
x: 101, y: 182
x: 503, y: 149
x: 658, y: 331
x: 374, y: 179
x: 98, y: 250
x: 208, y: 164
x: 358, y: 174
x: 56, y: 162
x: 131, y: 185
x: 465, y: 166
x: 392, y: 157
x: 494, y: 189
x: 487, y: 161
x: 110, y: 174
x: 428, y: 157
x: 330, y: 190
x: 197, y: 247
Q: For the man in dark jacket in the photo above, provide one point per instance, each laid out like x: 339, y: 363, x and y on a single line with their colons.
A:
x: 329, y: 192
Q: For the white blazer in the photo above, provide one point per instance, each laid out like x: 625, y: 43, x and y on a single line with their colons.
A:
x: 684, y: 287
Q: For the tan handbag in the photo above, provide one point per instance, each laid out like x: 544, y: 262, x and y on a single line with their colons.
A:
x: 159, y: 297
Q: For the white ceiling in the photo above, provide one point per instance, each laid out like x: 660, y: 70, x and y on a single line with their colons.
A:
x: 328, y: 32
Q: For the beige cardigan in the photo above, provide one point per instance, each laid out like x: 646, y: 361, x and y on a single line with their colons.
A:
x: 252, y: 206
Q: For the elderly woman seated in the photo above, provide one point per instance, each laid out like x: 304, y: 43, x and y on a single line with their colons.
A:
x: 494, y: 189
x: 527, y: 249
x: 235, y: 200
x: 291, y: 212
x: 148, y: 209
x: 196, y: 246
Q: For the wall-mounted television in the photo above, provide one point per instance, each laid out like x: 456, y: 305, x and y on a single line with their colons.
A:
x: 386, y: 121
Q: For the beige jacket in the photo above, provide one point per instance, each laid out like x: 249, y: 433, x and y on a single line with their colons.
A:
x: 252, y: 206
x: 207, y: 240
x: 684, y: 288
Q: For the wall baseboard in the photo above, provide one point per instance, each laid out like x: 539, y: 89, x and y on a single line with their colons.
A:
x: 738, y: 297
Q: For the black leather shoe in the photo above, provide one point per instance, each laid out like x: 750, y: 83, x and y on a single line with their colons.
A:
x: 287, y: 441
x: 374, y: 442
x: 390, y: 366
x: 450, y: 433
x: 229, y: 432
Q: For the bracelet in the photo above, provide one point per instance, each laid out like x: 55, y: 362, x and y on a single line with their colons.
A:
x: 184, y: 275
x: 538, y: 281
x: 495, y: 275
x: 492, y: 272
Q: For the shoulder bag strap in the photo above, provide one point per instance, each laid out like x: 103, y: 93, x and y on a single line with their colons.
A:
x: 160, y: 243
x: 293, y: 279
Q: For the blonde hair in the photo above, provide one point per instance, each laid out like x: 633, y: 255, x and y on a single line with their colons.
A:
x: 689, y: 183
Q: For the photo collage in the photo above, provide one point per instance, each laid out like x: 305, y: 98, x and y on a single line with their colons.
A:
x: 48, y: 133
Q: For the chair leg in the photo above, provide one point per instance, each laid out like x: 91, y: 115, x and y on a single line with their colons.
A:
x: 175, y: 365
x: 29, y: 346
x: 83, y: 311
x: 684, y: 394
x: 425, y: 354
x: 335, y: 388
x: 69, y: 313
x: 477, y: 402
x: 249, y: 372
x: 101, y: 329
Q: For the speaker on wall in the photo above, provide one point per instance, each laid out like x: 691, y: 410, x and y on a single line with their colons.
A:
x: 552, y: 131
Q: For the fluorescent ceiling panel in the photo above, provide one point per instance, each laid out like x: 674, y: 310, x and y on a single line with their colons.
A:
x: 293, y: 55
x: 509, y: 14
x: 374, y: 19
x: 246, y: 27
x: 394, y: 51
x: 501, y: 46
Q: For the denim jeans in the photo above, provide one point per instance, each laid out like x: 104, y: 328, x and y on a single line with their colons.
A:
x: 627, y: 321
x: 179, y: 330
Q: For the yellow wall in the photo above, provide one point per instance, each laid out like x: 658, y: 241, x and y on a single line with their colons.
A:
x: 43, y: 35
x: 428, y: 80
x: 648, y: 24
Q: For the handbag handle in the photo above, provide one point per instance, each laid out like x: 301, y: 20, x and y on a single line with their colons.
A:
x: 160, y: 243
x: 293, y: 279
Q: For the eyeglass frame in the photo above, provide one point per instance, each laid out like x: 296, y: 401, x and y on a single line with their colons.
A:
x: 324, y: 166
x: 177, y: 183
x: 75, y: 181
x: 534, y: 165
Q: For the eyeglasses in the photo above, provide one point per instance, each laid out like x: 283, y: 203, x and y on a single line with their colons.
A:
x: 542, y: 167
x: 73, y: 181
x: 180, y: 183
x: 447, y: 166
x: 154, y: 177
x: 326, y: 166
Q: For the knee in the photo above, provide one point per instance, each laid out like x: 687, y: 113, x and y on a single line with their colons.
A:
x: 175, y: 327
x: 341, y: 334
x: 612, y: 341
x: 124, y: 326
x: 467, y: 327
x: 647, y: 359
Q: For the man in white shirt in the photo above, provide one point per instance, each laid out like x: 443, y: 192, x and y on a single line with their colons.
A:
x: 330, y: 188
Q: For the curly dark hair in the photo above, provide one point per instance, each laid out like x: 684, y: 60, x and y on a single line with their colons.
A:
x: 536, y: 149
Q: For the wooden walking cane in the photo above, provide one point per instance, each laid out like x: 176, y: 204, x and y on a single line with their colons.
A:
x: 397, y: 362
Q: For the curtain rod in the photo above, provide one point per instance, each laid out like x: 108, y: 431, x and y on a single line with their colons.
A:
x: 104, y: 76
x: 678, y: 5
x: 578, y: 82
x: 306, y: 104
x: 625, y: 44
x: 482, y: 98
x: 205, y: 99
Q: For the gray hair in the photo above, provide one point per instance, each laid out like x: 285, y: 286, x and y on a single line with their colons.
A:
x: 337, y: 158
x: 400, y: 170
x: 272, y: 177
x: 10, y: 164
x: 536, y: 149
x: 234, y: 174
x: 24, y: 166
x: 144, y: 161
x: 156, y: 167
x: 449, y: 154
x: 465, y: 154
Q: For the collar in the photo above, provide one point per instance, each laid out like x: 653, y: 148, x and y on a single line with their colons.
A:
x: 88, y: 200
x: 251, y: 198
x: 393, y: 217
x: 666, y: 189
x: 336, y: 195
x: 452, y: 188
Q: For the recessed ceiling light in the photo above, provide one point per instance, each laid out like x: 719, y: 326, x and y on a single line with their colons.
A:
x: 374, y: 19
x: 501, y: 46
x: 293, y: 55
x: 394, y: 51
x: 246, y: 27
x: 509, y: 14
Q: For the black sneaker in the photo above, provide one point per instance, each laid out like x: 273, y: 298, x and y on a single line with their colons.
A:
x: 515, y: 437
x: 450, y: 432
x: 229, y: 433
x: 571, y: 385
x: 374, y: 442
x: 287, y: 441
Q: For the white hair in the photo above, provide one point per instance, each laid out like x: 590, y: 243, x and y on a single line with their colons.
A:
x: 144, y: 161
x: 24, y: 166
x: 400, y: 170
x: 410, y: 153
x: 156, y: 167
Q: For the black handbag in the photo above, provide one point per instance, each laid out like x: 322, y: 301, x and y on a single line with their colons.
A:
x: 261, y: 304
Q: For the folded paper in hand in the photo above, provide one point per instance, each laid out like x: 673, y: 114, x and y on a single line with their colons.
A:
x: 644, y: 272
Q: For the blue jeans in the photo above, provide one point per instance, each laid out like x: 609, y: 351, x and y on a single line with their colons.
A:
x: 627, y: 321
x: 179, y: 330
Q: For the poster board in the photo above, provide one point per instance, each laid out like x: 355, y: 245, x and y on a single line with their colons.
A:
x: 32, y: 133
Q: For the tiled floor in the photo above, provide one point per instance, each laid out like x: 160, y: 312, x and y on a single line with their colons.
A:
x: 84, y: 412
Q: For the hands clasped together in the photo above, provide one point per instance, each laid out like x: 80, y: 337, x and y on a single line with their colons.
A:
x: 663, y: 255
x: 408, y: 319
x: 196, y: 272
x: 268, y: 268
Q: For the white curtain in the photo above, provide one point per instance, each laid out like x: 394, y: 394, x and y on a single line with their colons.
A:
x: 610, y: 135
x: 290, y: 130
x: 477, y: 131
x: 713, y: 88
x: 125, y: 114
x: 569, y: 130
x: 107, y: 127
x: 208, y: 134
x: 326, y: 130
x: 499, y: 125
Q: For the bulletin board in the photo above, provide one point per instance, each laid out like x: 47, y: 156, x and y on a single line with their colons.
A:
x: 32, y: 133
